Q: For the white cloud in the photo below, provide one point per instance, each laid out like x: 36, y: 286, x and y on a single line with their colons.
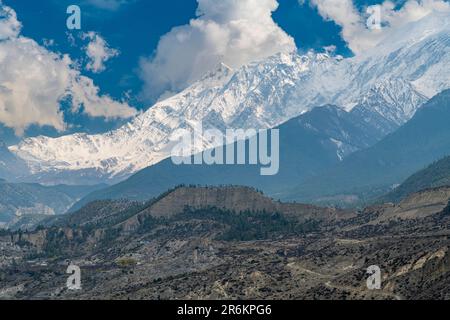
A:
x: 84, y: 92
x: 98, y: 52
x: 353, y: 23
x: 9, y: 25
x: 235, y: 32
x: 34, y: 81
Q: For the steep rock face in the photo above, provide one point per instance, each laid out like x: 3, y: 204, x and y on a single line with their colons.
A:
x: 237, y: 199
x: 391, y: 81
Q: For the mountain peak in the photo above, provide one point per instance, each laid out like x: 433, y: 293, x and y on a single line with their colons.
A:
x: 220, y: 72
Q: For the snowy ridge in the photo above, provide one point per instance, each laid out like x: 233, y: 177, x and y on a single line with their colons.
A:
x: 393, y: 99
x: 390, y: 82
x: 220, y: 99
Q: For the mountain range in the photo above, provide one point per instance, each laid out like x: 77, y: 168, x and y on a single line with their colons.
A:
x: 391, y: 81
x: 328, y: 156
x: 351, y: 129
x: 374, y: 171
x: 310, y: 143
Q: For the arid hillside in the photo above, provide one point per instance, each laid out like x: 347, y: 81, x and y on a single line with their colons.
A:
x: 233, y: 243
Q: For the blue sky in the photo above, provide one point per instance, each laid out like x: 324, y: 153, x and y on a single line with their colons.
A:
x: 134, y: 29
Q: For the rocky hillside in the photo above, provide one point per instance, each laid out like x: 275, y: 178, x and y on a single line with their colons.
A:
x: 231, y: 199
x: 189, y: 244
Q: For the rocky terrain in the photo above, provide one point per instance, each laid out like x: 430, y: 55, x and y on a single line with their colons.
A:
x: 233, y: 243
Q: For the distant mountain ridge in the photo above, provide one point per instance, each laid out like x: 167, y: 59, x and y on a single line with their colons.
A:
x: 434, y: 176
x: 18, y: 200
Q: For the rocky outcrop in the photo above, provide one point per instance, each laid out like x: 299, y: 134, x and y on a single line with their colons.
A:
x: 235, y: 199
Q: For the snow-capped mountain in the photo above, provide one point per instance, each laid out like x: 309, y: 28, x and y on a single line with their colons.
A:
x: 388, y: 105
x: 388, y: 83
x: 252, y: 97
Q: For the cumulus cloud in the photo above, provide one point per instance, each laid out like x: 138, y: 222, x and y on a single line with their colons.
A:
x: 98, y: 52
x: 34, y: 81
x: 234, y: 32
x: 354, y: 23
